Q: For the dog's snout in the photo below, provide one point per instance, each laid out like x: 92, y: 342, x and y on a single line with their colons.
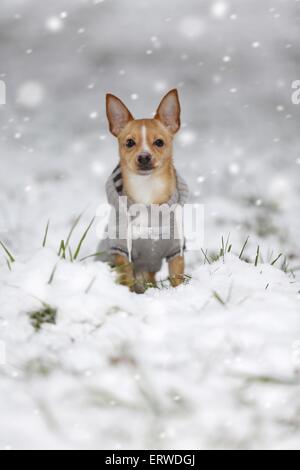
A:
x: 144, y: 159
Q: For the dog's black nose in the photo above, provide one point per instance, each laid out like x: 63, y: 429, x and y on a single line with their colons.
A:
x: 144, y: 160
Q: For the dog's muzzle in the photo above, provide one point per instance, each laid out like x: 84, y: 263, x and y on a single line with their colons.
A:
x: 144, y: 161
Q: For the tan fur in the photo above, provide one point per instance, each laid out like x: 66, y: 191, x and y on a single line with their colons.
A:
x: 176, y: 271
x: 156, y: 187
x: 125, y: 271
x: 162, y: 158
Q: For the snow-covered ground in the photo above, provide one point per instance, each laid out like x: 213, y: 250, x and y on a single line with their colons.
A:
x: 214, y: 364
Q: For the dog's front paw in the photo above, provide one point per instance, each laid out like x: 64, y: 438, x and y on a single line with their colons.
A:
x: 176, y: 271
x: 177, y: 281
x: 139, y: 288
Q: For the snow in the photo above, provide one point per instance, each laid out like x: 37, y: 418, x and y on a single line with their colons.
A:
x: 216, y: 363
x: 171, y: 369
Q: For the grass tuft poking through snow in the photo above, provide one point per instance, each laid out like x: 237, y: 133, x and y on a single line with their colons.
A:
x: 40, y: 317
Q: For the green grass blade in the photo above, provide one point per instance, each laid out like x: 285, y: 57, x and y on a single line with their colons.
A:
x: 285, y: 265
x: 229, y: 294
x: 244, y: 248
x: 10, y: 256
x: 205, y: 256
x: 8, y: 264
x: 89, y: 287
x: 223, y: 250
x: 257, y: 257
x: 62, y: 250
x: 46, y: 234
x: 227, y: 243
x: 78, y: 219
x: 52, y: 275
x: 76, y: 254
x: 95, y: 255
x: 219, y: 298
x: 277, y: 259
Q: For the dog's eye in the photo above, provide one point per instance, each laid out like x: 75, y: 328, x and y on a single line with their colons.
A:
x: 159, y: 143
x: 130, y: 143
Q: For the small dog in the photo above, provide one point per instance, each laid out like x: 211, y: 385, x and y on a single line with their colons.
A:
x: 145, y: 175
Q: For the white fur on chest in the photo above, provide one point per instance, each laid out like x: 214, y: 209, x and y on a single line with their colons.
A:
x: 146, y: 189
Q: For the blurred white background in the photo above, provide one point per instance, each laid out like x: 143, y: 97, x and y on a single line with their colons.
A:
x: 233, y: 62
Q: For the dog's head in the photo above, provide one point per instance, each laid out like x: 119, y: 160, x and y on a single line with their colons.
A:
x: 146, y: 145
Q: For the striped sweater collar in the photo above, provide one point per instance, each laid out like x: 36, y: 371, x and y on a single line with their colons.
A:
x: 114, y: 189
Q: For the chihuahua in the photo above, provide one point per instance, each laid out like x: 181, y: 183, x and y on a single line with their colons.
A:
x: 145, y: 175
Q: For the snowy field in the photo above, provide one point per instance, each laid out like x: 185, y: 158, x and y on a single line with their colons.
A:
x: 215, y: 364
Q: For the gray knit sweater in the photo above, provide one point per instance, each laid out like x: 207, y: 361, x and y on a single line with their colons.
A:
x: 150, y: 244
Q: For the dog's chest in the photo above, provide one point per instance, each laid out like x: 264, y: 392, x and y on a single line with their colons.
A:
x: 147, y: 189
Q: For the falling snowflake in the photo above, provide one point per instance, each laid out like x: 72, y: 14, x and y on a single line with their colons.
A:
x: 97, y: 168
x: 219, y: 9
x: 93, y: 115
x: 54, y: 24
x: 31, y: 94
x: 201, y: 179
x: 280, y: 188
x: 234, y: 169
x: 192, y: 27
x: 160, y: 86
x: 156, y: 42
x: 217, y: 79
x: 187, y: 137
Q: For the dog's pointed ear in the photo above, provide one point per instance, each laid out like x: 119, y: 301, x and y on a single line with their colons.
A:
x: 169, y: 111
x: 117, y: 114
